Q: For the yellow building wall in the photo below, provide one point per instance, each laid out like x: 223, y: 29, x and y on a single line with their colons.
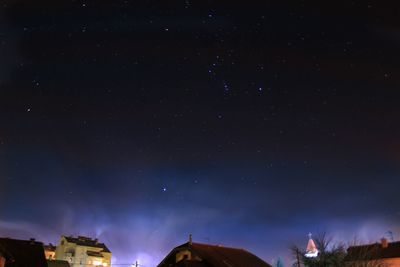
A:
x: 107, y: 258
x: 77, y: 255
x: 65, y: 251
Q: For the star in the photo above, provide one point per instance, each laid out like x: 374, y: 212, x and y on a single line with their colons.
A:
x: 226, y: 86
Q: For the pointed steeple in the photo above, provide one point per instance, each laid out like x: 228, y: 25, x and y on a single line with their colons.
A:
x: 311, y: 250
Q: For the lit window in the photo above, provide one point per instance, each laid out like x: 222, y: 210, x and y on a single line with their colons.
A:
x: 97, y: 263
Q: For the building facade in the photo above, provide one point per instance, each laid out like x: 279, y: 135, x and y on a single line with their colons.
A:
x: 83, y: 252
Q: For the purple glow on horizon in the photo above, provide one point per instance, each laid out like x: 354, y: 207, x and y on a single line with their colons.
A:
x: 137, y: 240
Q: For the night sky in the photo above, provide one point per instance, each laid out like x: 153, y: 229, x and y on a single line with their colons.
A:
x: 246, y: 124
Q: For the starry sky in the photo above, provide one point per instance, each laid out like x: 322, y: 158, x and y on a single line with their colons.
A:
x: 139, y: 122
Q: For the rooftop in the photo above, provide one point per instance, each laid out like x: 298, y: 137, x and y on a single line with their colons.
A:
x: 87, y: 241
x: 374, y: 251
x: 22, y: 253
x: 216, y: 256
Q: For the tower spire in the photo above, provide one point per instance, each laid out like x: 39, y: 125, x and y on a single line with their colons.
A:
x: 311, y: 251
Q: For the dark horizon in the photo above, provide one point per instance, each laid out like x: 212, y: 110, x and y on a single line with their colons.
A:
x: 250, y: 126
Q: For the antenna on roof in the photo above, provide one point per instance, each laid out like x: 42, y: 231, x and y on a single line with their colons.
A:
x: 190, y: 239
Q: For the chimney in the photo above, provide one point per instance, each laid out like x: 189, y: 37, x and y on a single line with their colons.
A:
x: 190, y: 239
x: 384, y: 242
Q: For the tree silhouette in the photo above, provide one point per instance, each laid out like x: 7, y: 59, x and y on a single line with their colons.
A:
x: 339, y: 255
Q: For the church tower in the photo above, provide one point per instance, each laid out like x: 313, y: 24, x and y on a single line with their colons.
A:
x: 311, y: 251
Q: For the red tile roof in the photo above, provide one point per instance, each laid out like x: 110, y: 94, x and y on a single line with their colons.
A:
x: 215, y: 256
x: 373, y: 252
x: 189, y: 263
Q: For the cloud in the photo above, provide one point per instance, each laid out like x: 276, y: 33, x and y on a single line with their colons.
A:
x: 24, y: 230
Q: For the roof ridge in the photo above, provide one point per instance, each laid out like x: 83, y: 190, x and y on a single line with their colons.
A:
x: 219, y: 246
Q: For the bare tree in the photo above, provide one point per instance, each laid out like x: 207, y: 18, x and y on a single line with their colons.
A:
x: 297, y: 254
x: 330, y: 255
x: 339, y: 255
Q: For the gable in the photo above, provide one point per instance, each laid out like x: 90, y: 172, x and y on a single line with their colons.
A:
x: 202, y: 255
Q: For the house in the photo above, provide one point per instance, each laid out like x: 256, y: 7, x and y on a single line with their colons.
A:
x: 50, y: 252
x: 385, y: 254
x: 21, y: 253
x: 203, y: 255
x: 83, y: 251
